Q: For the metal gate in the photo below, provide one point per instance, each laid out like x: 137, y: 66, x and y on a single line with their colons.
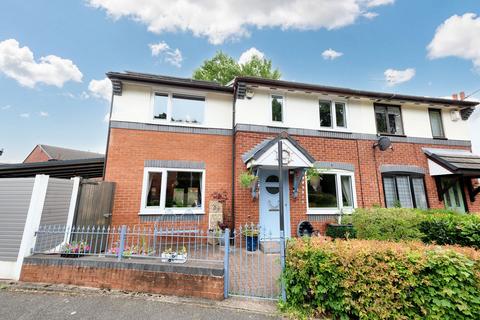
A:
x: 95, y: 202
x: 254, y: 264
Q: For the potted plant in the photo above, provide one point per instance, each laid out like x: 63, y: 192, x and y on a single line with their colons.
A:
x: 251, y: 237
x: 174, y: 257
x: 247, y: 179
x: 75, y: 249
x: 314, y: 178
x: 221, y: 232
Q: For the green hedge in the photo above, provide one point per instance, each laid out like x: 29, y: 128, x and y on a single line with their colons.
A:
x: 458, y: 229
x: 430, y: 226
x: 386, y: 224
x: 358, y: 279
x: 342, y: 231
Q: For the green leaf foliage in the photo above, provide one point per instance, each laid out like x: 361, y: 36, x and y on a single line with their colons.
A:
x: 342, y: 231
x: 359, y: 279
x: 222, y: 68
x: 431, y: 226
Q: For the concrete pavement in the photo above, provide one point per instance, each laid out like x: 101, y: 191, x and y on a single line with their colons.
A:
x: 25, y: 301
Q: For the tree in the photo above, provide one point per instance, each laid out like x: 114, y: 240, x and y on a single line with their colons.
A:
x: 222, y: 68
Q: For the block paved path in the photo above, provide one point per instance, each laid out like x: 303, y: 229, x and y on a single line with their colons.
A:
x: 40, y: 305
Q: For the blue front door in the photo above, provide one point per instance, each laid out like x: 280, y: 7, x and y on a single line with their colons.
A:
x: 269, y: 195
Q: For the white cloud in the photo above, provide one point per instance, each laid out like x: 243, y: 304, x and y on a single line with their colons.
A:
x: 157, y: 48
x: 106, y: 118
x: 221, y: 20
x: 394, y: 77
x: 376, y: 3
x: 174, y: 57
x: 6, y: 107
x: 458, y: 36
x: 247, y: 55
x: 18, y: 63
x: 331, y: 54
x: 43, y: 114
x: 24, y: 115
x: 370, y: 15
x: 101, y: 89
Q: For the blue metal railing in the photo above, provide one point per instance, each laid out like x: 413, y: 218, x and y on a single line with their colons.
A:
x: 251, y: 256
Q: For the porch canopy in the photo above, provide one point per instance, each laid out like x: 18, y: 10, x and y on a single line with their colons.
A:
x: 458, y: 163
x: 265, y: 155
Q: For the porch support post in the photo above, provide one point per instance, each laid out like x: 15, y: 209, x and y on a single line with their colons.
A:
x: 281, y: 207
x: 280, y: 184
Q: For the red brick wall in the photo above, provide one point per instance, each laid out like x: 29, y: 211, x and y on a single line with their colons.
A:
x: 128, y: 149
x: 368, y: 180
x: 178, y: 284
x: 37, y: 155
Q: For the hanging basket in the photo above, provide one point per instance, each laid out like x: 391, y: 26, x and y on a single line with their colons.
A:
x: 314, y: 181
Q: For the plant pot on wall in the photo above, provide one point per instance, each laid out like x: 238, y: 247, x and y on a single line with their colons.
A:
x: 251, y: 238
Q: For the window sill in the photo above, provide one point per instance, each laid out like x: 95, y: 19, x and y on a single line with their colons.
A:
x: 339, y: 130
x: 439, y: 138
x: 157, y: 212
x: 390, y: 135
x: 329, y: 211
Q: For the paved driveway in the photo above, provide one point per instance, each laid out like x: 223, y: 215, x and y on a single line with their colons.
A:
x: 56, y: 305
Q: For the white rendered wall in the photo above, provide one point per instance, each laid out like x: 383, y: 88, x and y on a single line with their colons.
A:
x: 301, y: 111
x: 136, y: 105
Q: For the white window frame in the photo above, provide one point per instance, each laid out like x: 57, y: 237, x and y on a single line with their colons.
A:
x: 340, y: 208
x: 144, y: 210
x: 283, y: 107
x: 333, y: 114
x: 170, y: 107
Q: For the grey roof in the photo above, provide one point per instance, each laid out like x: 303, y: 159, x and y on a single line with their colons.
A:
x: 168, y: 80
x: 456, y: 161
x: 59, y: 153
x: 353, y: 92
x: 250, y: 153
x: 263, y: 146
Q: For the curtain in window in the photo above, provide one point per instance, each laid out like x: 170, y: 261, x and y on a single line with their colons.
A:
x: 404, y: 192
x: 390, y: 193
x: 347, y: 192
x: 419, y: 192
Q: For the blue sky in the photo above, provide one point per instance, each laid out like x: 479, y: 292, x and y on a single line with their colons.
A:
x: 89, y: 38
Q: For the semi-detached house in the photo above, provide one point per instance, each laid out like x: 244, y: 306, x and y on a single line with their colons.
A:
x: 174, y: 142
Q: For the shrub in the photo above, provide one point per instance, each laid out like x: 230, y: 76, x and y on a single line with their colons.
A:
x: 343, y: 231
x: 381, y: 280
x: 461, y: 229
x: 386, y: 224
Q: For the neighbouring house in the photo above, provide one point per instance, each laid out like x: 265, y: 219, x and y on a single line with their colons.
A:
x: 56, y: 162
x: 174, y: 143
x: 43, y: 152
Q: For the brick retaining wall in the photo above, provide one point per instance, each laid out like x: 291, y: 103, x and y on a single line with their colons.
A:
x: 187, y: 280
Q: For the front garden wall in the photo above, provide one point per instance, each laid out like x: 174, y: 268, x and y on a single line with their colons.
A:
x: 179, y: 280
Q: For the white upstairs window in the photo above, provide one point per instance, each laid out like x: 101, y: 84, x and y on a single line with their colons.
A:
x: 178, y: 108
x: 333, y: 114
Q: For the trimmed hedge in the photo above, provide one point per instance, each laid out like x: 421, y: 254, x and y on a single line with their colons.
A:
x: 386, y: 224
x: 430, y: 226
x: 358, y: 279
x: 458, y: 229
x: 342, y: 231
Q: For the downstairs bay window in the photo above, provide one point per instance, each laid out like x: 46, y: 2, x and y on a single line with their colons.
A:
x: 404, y: 190
x: 332, y: 193
x: 172, y: 191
